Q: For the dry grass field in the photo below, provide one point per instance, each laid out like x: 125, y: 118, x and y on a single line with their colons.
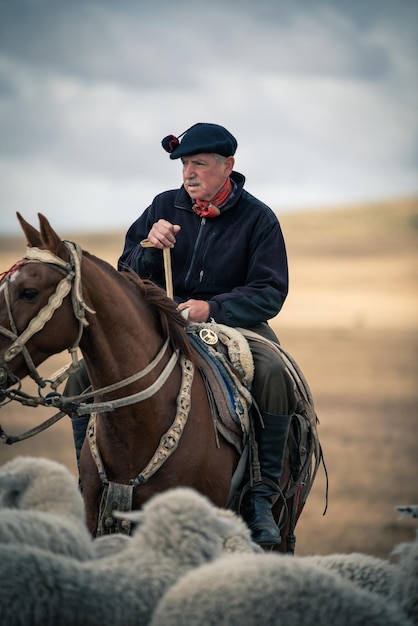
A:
x: 351, y: 324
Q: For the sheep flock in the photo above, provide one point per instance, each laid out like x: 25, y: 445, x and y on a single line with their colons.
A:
x: 187, y: 563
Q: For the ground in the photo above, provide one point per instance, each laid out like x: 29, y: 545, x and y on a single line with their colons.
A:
x: 351, y: 323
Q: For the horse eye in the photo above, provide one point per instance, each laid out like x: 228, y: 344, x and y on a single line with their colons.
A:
x: 28, y: 294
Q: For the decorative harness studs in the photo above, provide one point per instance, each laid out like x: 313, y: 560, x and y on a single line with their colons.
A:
x: 72, y: 283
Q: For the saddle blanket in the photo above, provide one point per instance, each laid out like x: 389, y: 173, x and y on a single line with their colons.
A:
x: 232, y: 371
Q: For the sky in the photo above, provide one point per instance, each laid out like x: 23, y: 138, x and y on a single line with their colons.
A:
x: 322, y: 96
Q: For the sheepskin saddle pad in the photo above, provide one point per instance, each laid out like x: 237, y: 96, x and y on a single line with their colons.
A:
x: 226, y: 363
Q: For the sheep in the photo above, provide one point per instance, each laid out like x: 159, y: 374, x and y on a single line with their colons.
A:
x: 273, y: 590
x: 46, y: 501
x: 40, y: 505
x: 106, y: 545
x: 390, y: 578
x: 365, y: 571
x: 368, y: 572
x: 405, y: 587
x: 410, y: 510
x: 47, y: 531
x: 39, y: 484
x: 239, y: 541
x: 45, y: 589
x: 175, y: 532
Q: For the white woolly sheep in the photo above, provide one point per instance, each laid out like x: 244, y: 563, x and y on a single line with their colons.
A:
x: 391, y: 578
x: 106, y: 545
x: 240, y: 541
x: 368, y: 572
x: 411, y: 510
x: 405, y: 587
x: 273, y: 590
x: 178, y: 530
x: 365, y: 571
x: 46, y: 531
x: 39, y: 484
x: 40, y: 505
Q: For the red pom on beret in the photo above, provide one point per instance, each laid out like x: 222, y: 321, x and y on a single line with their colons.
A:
x: 170, y: 143
x: 201, y: 137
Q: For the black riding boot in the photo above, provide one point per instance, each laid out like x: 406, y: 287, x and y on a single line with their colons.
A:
x: 77, y: 384
x: 79, y: 425
x: 259, y: 499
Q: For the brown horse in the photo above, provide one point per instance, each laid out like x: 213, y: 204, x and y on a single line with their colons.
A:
x: 59, y: 297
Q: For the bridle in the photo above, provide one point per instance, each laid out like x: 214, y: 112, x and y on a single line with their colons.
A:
x: 71, y: 282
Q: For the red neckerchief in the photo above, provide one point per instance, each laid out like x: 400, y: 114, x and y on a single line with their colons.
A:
x: 211, y: 208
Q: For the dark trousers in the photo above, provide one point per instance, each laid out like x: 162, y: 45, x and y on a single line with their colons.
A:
x: 272, y: 387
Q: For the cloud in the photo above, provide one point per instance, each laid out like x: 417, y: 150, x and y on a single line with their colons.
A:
x: 321, y: 96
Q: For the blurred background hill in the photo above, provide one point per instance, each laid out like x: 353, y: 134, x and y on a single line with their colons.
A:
x: 351, y: 323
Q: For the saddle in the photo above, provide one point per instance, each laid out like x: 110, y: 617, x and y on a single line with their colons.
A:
x: 225, y: 361
x: 224, y: 358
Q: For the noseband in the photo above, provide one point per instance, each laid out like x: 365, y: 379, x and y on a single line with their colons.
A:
x: 70, y: 283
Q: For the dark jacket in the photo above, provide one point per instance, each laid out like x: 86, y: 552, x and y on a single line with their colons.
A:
x: 236, y: 261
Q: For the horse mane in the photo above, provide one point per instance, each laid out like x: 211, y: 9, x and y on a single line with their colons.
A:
x: 171, y: 320
x: 163, y: 308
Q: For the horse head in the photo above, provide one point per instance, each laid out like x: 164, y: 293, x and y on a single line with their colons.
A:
x: 39, y: 315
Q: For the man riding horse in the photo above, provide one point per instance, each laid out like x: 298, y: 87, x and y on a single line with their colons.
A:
x: 229, y: 264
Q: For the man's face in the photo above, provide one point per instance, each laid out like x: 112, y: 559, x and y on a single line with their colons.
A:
x: 204, y: 175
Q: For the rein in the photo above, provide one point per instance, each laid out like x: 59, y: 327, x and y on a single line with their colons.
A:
x: 86, y: 409
x: 111, y: 405
x: 70, y: 283
x: 168, y: 442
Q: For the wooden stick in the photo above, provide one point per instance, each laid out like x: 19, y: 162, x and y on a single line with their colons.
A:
x: 168, y: 274
x: 145, y: 243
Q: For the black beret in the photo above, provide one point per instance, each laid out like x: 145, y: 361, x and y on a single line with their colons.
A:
x: 202, y: 137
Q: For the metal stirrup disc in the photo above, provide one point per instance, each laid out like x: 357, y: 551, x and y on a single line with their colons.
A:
x: 208, y: 336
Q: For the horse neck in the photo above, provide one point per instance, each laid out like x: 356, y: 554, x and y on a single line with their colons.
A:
x: 122, y: 336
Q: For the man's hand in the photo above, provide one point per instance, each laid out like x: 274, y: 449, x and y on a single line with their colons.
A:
x: 163, y: 234
x: 198, y: 310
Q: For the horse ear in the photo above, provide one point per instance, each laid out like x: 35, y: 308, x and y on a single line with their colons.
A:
x: 49, y: 237
x: 33, y: 237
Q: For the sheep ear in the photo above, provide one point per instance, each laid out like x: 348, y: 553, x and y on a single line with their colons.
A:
x: 408, y: 511
x: 137, y: 517
x: 226, y: 526
x: 10, y: 490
